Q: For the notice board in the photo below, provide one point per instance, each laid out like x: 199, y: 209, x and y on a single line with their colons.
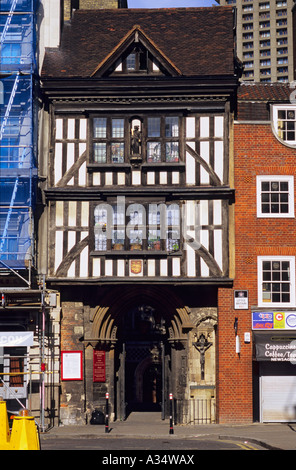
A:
x: 99, y: 366
x: 71, y: 365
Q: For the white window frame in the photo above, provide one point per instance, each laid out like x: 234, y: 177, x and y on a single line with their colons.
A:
x: 280, y: 178
x: 275, y: 109
x: 260, y: 260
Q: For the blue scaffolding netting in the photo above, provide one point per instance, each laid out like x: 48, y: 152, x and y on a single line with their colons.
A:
x: 18, y: 166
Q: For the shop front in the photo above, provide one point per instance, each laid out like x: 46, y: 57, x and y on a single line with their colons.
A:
x: 29, y: 353
x: 274, y: 337
x: 13, y: 364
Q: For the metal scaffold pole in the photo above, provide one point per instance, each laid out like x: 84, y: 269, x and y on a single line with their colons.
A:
x: 17, y: 162
x: 8, y: 21
x: 42, y: 382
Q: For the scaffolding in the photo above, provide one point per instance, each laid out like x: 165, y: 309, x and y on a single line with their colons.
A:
x: 18, y: 166
x: 24, y: 305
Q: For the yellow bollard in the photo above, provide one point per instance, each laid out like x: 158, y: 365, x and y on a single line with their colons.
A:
x: 24, y: 434
x: 4, y: 427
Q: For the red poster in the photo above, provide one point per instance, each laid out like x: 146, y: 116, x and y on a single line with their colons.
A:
x: 99, y: 366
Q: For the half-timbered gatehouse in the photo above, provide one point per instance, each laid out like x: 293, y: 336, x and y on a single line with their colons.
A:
x: 138, y: 195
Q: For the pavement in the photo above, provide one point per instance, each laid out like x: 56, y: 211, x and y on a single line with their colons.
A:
x: 271, y: 436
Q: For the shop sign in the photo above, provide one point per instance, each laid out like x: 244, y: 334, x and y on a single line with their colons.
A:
x: 273, y: 320
x: 262, y: 320
x: 16, y: 338
x: 275, y: 347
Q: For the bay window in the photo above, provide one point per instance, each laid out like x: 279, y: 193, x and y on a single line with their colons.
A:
x: 113, y: 139
x: 148, y: 227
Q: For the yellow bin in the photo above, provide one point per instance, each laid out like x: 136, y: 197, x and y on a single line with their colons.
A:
x: 4, y: 427
x: 24, y: 434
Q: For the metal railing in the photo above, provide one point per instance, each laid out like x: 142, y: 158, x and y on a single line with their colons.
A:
x: 195, y: 411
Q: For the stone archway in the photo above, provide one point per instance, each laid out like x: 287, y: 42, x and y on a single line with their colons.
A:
x: 106, y: 331
x: 105, y: 318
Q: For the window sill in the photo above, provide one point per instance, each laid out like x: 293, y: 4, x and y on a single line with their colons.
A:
x: 275, y: 216
x: 127, y: 166
x: 108, y: 166
x: 136, y: 253
x: 265, y: 308
x: 277, y: 306
x: 164, y: 165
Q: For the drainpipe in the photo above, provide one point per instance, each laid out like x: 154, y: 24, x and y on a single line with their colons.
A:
x: 42, y: 365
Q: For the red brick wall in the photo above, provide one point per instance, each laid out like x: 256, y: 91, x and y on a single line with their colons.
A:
x: 256, y: 152
x: 72, y: 326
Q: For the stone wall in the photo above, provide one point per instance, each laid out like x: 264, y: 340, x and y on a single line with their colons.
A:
x: 87, y: 5
x: 73, y: 400
x: 94, y: 4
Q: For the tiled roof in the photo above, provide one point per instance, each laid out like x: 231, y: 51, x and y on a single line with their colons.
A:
x: 197, y: 41
x: 252, y: 91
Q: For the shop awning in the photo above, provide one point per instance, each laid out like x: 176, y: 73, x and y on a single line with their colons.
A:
x: 16, y: 338
x: 275, y: 346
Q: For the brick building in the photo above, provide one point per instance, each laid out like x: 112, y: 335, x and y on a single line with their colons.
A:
x: 257, y: 380
x: 265, y: 39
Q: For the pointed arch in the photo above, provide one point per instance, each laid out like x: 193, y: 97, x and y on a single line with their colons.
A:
x: 107, y: 316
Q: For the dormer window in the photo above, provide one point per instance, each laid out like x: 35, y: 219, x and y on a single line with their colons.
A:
x: 284, y: 120
x: 138, y: 60
x: 136, y: 54
x: 131, y: 62
x: 286, y: 124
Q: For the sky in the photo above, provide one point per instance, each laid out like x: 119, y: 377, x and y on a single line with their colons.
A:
x: 170, y: 3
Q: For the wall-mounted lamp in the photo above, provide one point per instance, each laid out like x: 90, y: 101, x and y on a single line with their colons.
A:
x: 237, y: 340
x: 237, y: 344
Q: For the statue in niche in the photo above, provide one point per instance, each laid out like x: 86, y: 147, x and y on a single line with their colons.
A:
x: 136, y: 139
